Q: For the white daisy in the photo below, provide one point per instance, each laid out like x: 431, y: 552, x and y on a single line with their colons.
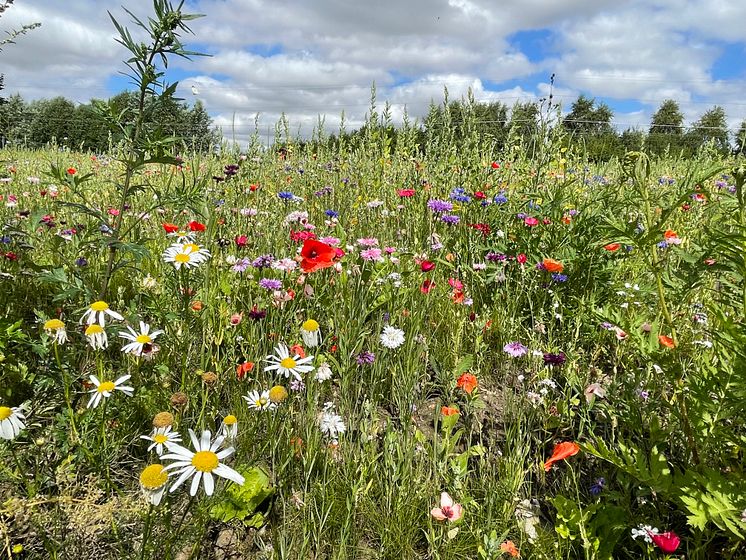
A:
x: 287, y: 365
x: 391, y: 337
x: 202, y: 464
x: 229, y: 427
x: 260, y: 401
x: 104, y: 389
x: 56, y: 328
x: 183, y: 236
x: 96, y: 336
x: 97, y: 313
x: 311, y: 333
x: 331, y: 423
x: 138, y: 340
x: 188, y: 255
x: 162, y: 437
x: 153, y: 481
x: 11, y: 422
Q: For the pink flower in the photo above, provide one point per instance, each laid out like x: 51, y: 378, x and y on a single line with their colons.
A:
x: 531, y: 221
x: 668, y: 542
x: 236, y: 319
x: 368, y: 242
x: 371, y: 254
x: 333, y: 241
x: 447, y: 510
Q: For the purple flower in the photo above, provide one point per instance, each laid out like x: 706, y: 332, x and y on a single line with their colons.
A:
x: 450, y: 219
x: 554, y: 359
x: 270, y: 284
x: 495, y: 257
x: 365, y: 357
x: 372, y: 254
x: 501, y: 198
x: 297, y: 385
x: 515, y: 349
x: 241, y: 265
x: 557, y: 277
x: 81, y: 262
x: 263, y: 261
x: 257, y: 314
x: 598, y: 486
x: 439, y: 205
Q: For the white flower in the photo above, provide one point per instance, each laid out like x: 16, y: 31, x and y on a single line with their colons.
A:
x: 288, y: 365
x: 285, y: 265
x: 331, y: 423
x: 183, y: 236
x: 391, y: 337
x: 56, y: 328
x: 160, y: 437
x: 11, y: 422
x: 188, y: 255
x: 323, y: 372
x: 229, y: 427
x: 138, y: 341
x: 153, y: 481
x: 644, y: 531
x: 260, y: 401
x: 149, y: 283
x: 104, y: 389
x: 202, y: 463
x: 97, y: 313
x: 96, y: 336
x: 310, y: 333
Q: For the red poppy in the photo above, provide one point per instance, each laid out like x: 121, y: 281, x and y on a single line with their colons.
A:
x: 566, y: 219
x: 241, y: 240
x: 71, y: 171
x: 552, y: 265
x: 298, y: 349
x: 170, y: 228
x: 666, y: 341
x: 406, y: 193
x: 253, y: 188
x: 316, y: 255
x: 484, y: 229
x: 668, y: 542
x: 522, y: 258
x: 479, y: 195
x: 561, y: 451
x: 670, y: 234
x: 243, y: 369
x: 196, y: 226
x: 427, y: 285
x: 611, y: 247
x: 467, y: 382
x: 427, y: 266
x: 495, y: 165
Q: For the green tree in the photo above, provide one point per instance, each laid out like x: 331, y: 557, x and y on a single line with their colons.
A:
x: 666, y: 128
x: 741, y: 139
x: 524, y: 120
x: 52, y: 121
x: 587, y: 117
x: 710, y: 127
x: 632, y: 140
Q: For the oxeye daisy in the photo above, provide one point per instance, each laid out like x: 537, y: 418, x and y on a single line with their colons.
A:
x: 183, y: 236
x: 162, y: 437
x: 104, y: 389
x: 56, y: 329
x: 97, y: 313
x: 285, y: 364
x: 188, y: 255
x: 391, y: 337
x: 153, y: 479
x: 310, y: 333
x: 229, y: 427
x: 260, y: 401
x: 11, y: 422
x: 96, y: 336
x: 138, y: 340
x: 202, y: 464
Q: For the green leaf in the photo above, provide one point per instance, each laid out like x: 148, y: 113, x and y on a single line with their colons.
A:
x: 242, y: 502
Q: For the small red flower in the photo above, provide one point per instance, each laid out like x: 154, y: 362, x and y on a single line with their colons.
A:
x: 467, y: 382
x: 297, y: 349
x: 406, y: 193
x: 243, y: 369
x: 71, y: 171
x: 666, y: 341
x: 495, y: 165
x: 253, y: 187
x: 427, y: 285
x: 611, y: 247
x: 668, y: 542
x: 449, y: 410
x: 479, y: 195
x: 427, y: 266
x: 522, y: 258
x: 316, y: 256
x: 196, y: 226
x: 241, y: 240
x: 170, y: 228
x: 531, y: 221
x: 561, y: 451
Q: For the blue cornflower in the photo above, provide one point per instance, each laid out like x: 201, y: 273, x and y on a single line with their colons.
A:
x: 501, y: 198
x: 332, y: 213
x: 285, y: 195
x: 5, y: 239
x: 459, y: 195
x: 81, y: 262
x: 557, y: 277
x: 450, y: 219
x: 439, y: 205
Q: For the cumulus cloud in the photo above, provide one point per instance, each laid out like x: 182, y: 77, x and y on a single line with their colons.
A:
x: 311, y: 59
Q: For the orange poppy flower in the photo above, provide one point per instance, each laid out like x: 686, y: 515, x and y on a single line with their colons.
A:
x: 510, y: 548
x: 669, y: 234
x: 197, y: 306
x: 467, y: 382
x: 243, y: 369
x: 553, y: 266
x: 448, y: 410
x: 561, y: 451
x: 298, y: 349
x: 611, y: 247
x: 666, y: 341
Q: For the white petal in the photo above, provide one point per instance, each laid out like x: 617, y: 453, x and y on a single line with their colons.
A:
x: 209, y: 484
x: 195, y: 483
x: 182, y: 478
x: 227, y: 472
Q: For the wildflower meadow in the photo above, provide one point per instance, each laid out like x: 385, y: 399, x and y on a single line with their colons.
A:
x: 323, y: 349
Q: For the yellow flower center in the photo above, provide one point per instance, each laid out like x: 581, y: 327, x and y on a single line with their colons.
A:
x: 230, y: 420
x: 260, y: 402
x: 205, y: 461
x: 106, y: 386
x: 94, y: 329
x: 99, y: 306
x: 54, y: 324
x: 182, y: 258
x: 153, y: 477
x: 193, y: 246
x: 144, y: 339
x: 278, y: 393
x: 288, y: 363
x: 310, y: 325
x: 160, y: 438
x: 5, y: 413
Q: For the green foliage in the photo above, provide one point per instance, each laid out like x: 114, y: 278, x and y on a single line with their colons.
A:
x: 243, y: 502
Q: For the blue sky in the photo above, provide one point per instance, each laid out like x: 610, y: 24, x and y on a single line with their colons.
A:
x: 306, y: 58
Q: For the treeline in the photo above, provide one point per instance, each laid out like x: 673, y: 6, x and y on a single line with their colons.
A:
x: 98, y: 125
x: 588, y: 124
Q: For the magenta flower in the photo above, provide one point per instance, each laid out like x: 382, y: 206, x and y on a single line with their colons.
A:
x: 515, y: 349
x: 373, y: 254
